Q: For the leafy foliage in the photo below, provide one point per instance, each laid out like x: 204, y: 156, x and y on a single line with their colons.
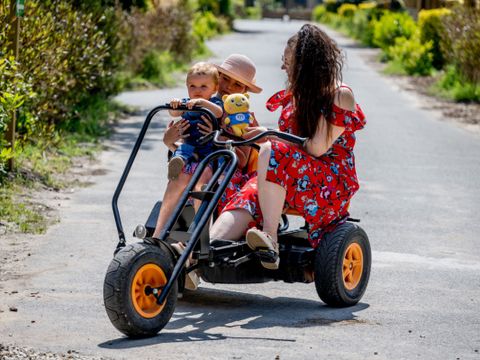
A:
x: 412, y: 55
x: 320, y: 14
x: 461, y: 43
x: 347, y: 10
x: 14, y: 91
x: 391, y: 26
x: 432, y: 29
x: 62, y: 58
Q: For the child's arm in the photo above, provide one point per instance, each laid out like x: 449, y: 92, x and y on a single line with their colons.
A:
x: 216, y: 110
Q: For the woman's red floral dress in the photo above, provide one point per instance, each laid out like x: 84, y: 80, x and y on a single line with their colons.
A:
x: 320, y: 188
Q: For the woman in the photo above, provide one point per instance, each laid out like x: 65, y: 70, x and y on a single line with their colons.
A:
x: 317, y: 180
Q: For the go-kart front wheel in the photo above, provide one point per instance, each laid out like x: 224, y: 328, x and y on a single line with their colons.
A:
x: 342, y: 266
x: 133, y: 273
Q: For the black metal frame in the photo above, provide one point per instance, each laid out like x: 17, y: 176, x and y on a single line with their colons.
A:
x: 131, y: 159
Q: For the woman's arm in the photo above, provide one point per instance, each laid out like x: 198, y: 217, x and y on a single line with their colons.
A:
x: 243, y: 152
x: 321, y: 142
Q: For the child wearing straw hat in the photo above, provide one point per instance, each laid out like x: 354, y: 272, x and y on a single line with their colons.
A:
x: 236, y: 75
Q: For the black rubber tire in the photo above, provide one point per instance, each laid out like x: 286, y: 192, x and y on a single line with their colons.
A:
x: 329, y: 266
x: 117, y: 289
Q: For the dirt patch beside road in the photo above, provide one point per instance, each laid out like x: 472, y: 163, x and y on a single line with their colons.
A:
x: 466, y: 115
x: 15, y: 246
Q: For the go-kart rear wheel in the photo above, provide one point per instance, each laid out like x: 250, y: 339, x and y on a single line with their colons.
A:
x: 132, y: 275
x: 342, y: 266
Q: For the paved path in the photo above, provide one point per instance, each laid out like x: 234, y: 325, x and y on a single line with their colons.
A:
x: 419, y: 203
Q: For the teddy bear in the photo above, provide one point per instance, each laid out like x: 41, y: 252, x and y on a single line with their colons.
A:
x: 236, y: 107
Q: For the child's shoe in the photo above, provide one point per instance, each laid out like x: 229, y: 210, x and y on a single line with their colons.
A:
x: 175, y: 166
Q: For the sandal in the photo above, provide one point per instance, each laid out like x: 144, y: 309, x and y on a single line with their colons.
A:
x: 191, y: 278
x: 263, y: 242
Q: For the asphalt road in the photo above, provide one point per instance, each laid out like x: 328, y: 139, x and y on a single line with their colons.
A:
x: 419, y: 203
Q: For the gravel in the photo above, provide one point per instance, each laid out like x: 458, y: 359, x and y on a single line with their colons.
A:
x: 11, y: 352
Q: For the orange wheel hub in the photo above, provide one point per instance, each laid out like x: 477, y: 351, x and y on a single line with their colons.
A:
x: 149, y: 276
x: 352, y: 266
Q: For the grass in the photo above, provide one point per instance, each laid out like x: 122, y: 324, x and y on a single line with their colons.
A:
x: 16, y: 213
x: 45, y: 164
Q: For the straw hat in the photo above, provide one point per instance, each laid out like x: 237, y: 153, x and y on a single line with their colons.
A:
x: 242, y: 69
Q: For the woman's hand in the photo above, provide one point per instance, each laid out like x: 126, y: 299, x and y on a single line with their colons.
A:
x: 254, y: 131
x: 206, y: 128
x: 175, y: 131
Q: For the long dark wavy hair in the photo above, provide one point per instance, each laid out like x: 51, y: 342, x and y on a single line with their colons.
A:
x: 315, y: 75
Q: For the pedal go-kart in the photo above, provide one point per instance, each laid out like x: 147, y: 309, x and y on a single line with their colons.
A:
x: 144, y: 278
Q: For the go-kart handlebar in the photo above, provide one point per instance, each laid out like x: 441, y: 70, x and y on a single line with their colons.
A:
x: 244, y: 142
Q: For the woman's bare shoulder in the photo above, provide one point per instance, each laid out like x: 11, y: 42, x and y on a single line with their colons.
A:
x: 344, y: 98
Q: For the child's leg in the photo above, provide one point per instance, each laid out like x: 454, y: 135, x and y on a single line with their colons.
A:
x: 172, y: 194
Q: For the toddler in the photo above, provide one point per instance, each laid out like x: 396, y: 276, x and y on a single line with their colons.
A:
x: 202, y: 85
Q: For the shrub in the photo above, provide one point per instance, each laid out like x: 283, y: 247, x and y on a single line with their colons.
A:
x: 452, y: 84
x: 412, y: 56
x: 347, y: 10
x: 62, y: 57
x: 332, y: 5
x: 157, y: 67
x: 461, y: 43
x: 164, y: 28
x: 367, y: 6
x: 391, y: 26
x: 14, y: 91
x: 363, y: 23
x: 432, y: 29
x: 320, y: 14
x: 206, y: 25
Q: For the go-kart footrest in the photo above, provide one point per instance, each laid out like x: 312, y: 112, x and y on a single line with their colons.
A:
x: 239, y: 261
x: 202, y: 195
x: 266, y: 255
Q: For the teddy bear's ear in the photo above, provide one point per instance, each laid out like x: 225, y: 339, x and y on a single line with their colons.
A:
x: 224, y: 97
x: 246, y: 95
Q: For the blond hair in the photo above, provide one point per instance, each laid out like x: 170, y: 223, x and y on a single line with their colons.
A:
x: 203, y: 68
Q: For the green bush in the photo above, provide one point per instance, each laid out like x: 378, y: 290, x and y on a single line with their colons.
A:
x: 206, y: 25
x: 453, y: 85
x: 411, y: 55
x: 320, y: 14
x: 63, y: 58
x: 432, y: 29
x: 363, y: 23
x: 332, y: 5
x: 347, y: 10
x: 391, y: 26
x: 461, y: 43
x: 157, y: 67
x: 14, y: 91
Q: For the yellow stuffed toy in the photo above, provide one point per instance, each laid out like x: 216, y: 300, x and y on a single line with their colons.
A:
x: 238, y: 117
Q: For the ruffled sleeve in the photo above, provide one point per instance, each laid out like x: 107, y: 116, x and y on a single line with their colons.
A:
x: 350, y: 120
x: 278, y: 99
